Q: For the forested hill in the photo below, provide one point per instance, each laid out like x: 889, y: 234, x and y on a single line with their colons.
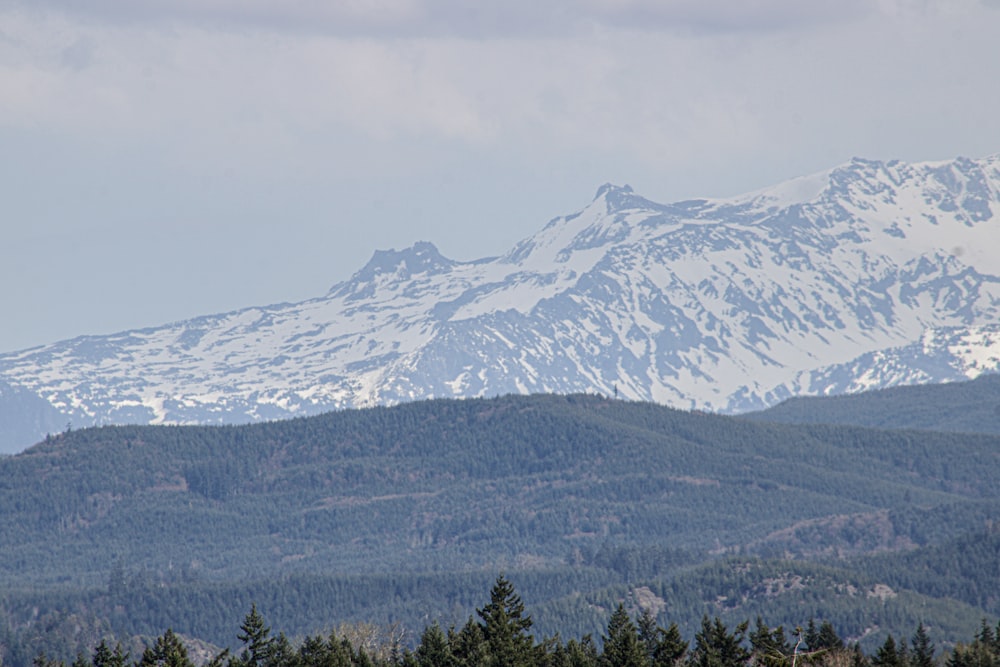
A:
x: 457, y: 483
x: 398, y: 513
x: 961, y: 407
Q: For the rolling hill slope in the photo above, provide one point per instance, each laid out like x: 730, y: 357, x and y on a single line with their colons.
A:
x: 459, y: 485
x: 961, y: 407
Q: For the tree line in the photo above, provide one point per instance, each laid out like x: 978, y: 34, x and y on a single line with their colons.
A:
x: 499, y: 635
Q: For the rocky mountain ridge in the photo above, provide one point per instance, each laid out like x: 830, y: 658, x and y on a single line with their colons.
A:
x: 869, y: 275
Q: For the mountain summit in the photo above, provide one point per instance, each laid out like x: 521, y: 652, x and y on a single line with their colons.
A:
x: 868, y: 275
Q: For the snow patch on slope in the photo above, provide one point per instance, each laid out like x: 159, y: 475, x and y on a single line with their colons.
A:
x: 867, y: 275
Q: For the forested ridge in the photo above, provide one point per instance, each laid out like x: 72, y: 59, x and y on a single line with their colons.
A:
x: 960, y: 407
x: 403, y: 515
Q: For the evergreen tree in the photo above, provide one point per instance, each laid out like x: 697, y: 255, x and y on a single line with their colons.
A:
x: 957, y: 657
x: 827, y: 638
x: 903, y: 652
x: 319, y: 652
x: 219, y: 660
x: 859, y: 659
x: 433, y: 650
x: 986, y: 636
x: 715, y: 646
x: 281, y: 653
x: 622, y: 647
x: 103, y: 656
x: 664, y: 648
x: 468, y: 645
x: 760, y: 639
x: 360, y: 658
x: 649, y: 633
x: 888, y: 655
x: 555, y: 654
x: 340, y: 650
x: 583, y: 653
x: 768, y: 647
x: 976, y: 654
x: 256, y: 637
x: 922, y: 654
x: 812, y: 635
x: 167, y: 651
x: 671, y: 647
x: 312, y: 652
x: 505, y: 627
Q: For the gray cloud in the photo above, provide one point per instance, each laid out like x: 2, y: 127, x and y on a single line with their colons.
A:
x: 475, y: 20
x: 79, y: 54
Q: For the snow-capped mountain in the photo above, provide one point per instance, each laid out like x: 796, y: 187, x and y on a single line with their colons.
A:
x: 868, y: 275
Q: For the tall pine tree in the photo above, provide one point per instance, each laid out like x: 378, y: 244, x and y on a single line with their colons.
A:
x: 715, y: 646
x: 922, y: 654
x: 167, y: 651
x: 622, y: 647
x: 256, y: 637
x: 505, y: 628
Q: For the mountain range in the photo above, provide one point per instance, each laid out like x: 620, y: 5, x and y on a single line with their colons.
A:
x: 869, y: 275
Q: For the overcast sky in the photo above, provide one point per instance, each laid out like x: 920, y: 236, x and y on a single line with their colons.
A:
x: 163, y: 159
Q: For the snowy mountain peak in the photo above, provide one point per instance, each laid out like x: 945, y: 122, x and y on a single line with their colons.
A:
x: 832, y: 282
x: 393, y: 266
x: 611, y: 188
x: 621, y: 198
x: 615, y: 196
x: 422, y: 257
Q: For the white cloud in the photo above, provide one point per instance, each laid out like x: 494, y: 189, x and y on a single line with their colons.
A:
x: 375, y: 124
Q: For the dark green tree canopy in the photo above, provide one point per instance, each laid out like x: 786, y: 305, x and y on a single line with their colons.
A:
x: 255, y: 634
x: 715, y: 646
x: 434, y: 650
x: 922, y: 654
x: 167, y: 651
x: 505, y: 627
x: 622, y: 647
x: 888, y: 655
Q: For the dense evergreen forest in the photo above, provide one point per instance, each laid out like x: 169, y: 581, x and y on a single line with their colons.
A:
x: 500, y: 635
x: 400, y: 517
